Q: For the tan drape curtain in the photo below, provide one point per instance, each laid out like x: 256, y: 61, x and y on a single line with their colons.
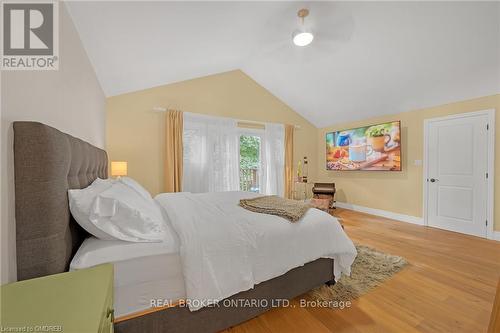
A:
x: 173, y: 151
x: 289, y: 161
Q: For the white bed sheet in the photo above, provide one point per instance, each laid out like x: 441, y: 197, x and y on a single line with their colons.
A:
x: 143, y: 272
x: 140, y: 281
x: 226, y: 249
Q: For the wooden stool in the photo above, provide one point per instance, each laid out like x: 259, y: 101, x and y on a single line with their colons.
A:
x: 325, y: 191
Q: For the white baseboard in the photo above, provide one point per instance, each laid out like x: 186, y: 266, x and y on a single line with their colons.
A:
x: 395, y: 216
x: 383, y: 213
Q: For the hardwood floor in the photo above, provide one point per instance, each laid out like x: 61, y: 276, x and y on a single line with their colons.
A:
x: 449, y: 285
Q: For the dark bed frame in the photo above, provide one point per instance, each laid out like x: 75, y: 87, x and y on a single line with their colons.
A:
x: 47, y: 164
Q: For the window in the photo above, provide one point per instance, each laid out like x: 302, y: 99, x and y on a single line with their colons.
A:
x: 250, y: 162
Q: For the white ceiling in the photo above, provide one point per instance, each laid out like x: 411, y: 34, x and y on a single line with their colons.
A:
x: 367, y: 58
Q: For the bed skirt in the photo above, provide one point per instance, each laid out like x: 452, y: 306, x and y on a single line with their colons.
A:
x: 216, y: 318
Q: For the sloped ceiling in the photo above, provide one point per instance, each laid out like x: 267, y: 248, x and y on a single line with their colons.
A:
x: 367, y: 59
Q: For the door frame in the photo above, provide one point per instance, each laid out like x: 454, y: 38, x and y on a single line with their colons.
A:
x: 491, y: 165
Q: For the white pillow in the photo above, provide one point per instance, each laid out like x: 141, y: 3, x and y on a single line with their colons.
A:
x: 135, y: 186
x: 80, y: 202
x: 122, y: 213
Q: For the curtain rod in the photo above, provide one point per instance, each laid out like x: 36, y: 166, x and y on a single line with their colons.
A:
x: 162, y: 109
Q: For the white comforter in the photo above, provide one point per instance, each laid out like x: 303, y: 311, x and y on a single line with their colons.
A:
x: 226, y: 249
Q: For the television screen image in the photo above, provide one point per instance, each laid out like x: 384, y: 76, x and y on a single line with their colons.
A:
x: 372, y: 148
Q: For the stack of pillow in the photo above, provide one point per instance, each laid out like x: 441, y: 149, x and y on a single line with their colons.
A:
x: 118, y: 210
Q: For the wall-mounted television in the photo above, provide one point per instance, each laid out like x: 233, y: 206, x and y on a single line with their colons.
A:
x: 372, y: 148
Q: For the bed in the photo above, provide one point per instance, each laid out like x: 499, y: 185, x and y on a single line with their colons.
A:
x: 48, y: 163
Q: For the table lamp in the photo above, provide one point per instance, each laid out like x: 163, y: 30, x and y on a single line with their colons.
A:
x: 118, y: 169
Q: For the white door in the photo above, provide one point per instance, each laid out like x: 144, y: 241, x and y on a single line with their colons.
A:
x: 457, y: 151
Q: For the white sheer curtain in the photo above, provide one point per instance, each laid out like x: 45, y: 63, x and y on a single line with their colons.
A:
x: 211, y: 154
x: 273, y: 160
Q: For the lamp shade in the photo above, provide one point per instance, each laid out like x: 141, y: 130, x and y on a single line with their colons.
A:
x: 118, y: 168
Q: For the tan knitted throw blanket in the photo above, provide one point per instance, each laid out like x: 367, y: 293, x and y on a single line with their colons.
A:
x: 292, y: 210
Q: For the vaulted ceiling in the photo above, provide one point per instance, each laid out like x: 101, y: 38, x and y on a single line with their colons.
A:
x: 367, y: 58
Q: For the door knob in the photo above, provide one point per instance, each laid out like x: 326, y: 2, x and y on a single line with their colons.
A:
x: 434, y: 180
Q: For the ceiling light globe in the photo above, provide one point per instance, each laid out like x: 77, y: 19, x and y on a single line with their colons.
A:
x: 302, y: 38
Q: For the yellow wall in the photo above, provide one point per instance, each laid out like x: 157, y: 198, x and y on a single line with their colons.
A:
x: 401, y: 192
x: 135, y: 133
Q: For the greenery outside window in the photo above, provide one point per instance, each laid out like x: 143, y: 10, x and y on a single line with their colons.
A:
x: 250, y: 161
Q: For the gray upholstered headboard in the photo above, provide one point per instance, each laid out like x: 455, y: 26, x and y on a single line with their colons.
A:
x: 47, y: 163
